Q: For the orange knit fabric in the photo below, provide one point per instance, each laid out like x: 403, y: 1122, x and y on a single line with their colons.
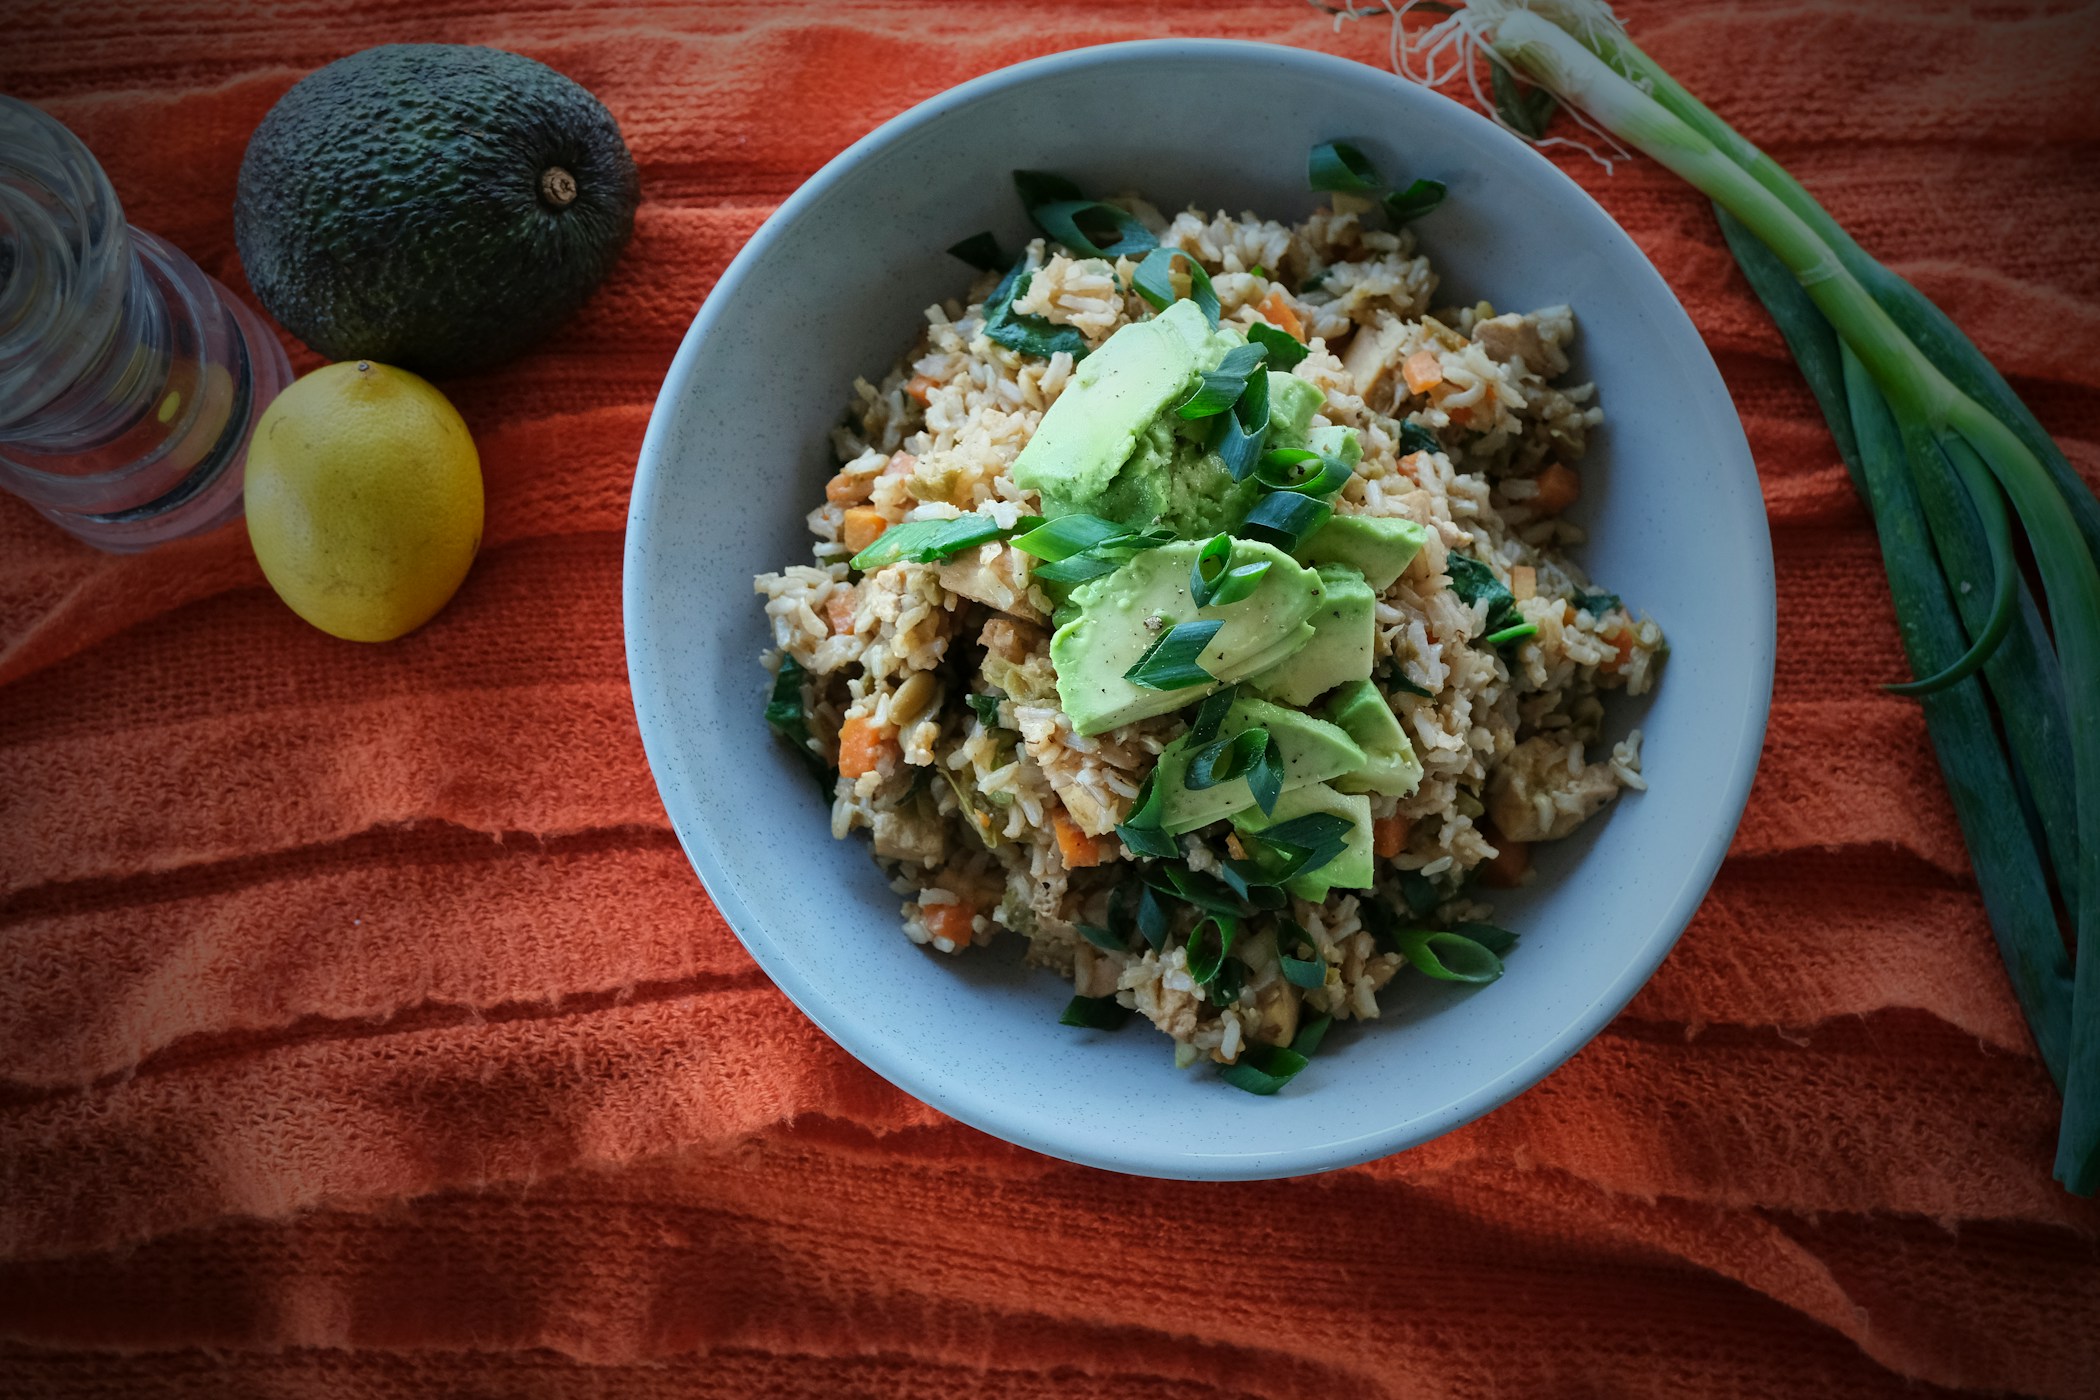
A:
x: 363, y: 1031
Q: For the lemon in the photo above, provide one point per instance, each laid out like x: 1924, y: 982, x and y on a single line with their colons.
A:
x: 363, y: 499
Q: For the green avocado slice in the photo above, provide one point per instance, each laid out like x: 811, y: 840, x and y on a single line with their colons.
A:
x: 1343, y: 632
x: 1351, y: 870
x: 1113, y: 620
x: 1312, y: 751
x: 1390, y: 765
x: 1380, y: 547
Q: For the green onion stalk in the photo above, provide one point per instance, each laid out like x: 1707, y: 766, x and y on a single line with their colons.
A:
x: 1905, y: 388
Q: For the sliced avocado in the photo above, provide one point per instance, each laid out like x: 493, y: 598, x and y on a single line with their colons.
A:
x: 1343, y: 633
x: 1292, y: 404
x: 1344, y: 443
x: 1351, y: 870
x: 1115, y: 618
x: 1390, y: 765
x: 1378, y: 546
x: 1312, y: 751
x: 1115, y: 394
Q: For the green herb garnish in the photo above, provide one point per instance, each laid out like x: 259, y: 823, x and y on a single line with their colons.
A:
x: 981, y: 251
x: 1305, y: 843
x: 786, y: 718
x: 1448, y: 956
x: 1094, y: 1013
x: 1213, y: 579
x: 1211, y: 714
x: 987, y: 708
x: 927, y: 541
x: 1102, y: 938
x: 1220, y: 388
x: 1263, y: 1069
x: 1337, y: 165
x: 1286, y: 351
x: 1222, y: 760
x: 1301, y: 469
x: 1309, y: 973
x: 1086, y: 226
x: 1285, y: 518
x: 1597, y: 604
x: 1067, y: 535
x: 1242, y: 432
x: 1475, y: 582
x: 1170, y: 662
x: 1416, y: 200
x: 1209, y: 941
x: 1154, y: 281
x: 1506, y: 635
x: 1140, y: 831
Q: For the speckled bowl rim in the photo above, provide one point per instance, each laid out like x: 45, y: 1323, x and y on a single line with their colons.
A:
x: 655, y: 706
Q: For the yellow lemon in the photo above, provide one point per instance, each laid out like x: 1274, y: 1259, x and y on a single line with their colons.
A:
x: 363, y: 499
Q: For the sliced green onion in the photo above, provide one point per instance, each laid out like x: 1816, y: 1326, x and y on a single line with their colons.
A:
x: 1496, y: 940
x: 1224, y: 989
x: 1507, y: 635
x: 1597, y: 604
x: 1078, y: 569
x: 1413, y: 202
x: 1263, y: 1069
x: 1301, y: 469
x: 1337, y: 165
x: 1211, y: 714
x: 1305, y: 843
x: 1170, y: 662
x: 1140, y: 831
x: 1210, y: 895
x: 1151, y: 917
x: 1214, y: 582
x: 1286, y: 351
x: 1206, y: 954
x: 981, y: 251
x: 926, y: 541
x: 1251, y: 885
x: 1309, y: 973
x: 1102, y: 938
x: 1026, y: 335
x: 1113, y: 233
x: 1265, y: 776
x: 786, y: 718
x: 1242, y: 432
x: 1448, y: 957
x: 1094, y: 1013
x: 1418, y: 892
x: 1154, y: 281
x: 1067, y: 535
x: 1222, y: 760
x: 987, y: 708
x: 1285, y: 518
x: 1416, y: 438
x: 1220, y: 388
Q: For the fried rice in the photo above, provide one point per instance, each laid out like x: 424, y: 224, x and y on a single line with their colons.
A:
x: 986, y: 811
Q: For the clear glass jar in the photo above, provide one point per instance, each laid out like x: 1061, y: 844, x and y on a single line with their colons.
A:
x: 129, y: 380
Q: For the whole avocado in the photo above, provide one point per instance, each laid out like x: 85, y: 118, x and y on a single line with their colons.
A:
x: 439, y: 207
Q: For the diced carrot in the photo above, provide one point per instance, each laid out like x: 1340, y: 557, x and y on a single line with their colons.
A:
x: 950, y: 921
x: 1512, y: 861
x: 1559, y: 488
x: 862, y: 744
x: 1422, y: 371
x: 1622, y: 641
x: 920, y: 388
x: 846, y: 489
x: 1389, y: 836
x: 1079, y: 849
x: 838, y: 611
x: 863, y: 526
x: 1276, y: 310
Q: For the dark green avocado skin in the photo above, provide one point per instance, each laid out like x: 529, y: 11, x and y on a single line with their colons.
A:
x: 390, y: 206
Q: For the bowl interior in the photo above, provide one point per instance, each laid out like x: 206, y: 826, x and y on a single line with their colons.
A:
x: 833, y: 287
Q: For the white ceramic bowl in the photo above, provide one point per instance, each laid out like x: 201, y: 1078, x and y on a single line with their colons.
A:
x: 833, y: 286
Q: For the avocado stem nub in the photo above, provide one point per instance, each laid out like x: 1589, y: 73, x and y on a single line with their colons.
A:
x: 557, y: 186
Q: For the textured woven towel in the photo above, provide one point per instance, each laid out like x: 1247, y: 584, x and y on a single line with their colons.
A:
x: 363, y: 1031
